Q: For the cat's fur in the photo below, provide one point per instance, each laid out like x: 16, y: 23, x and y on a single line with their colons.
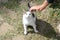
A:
x: 29, y: 19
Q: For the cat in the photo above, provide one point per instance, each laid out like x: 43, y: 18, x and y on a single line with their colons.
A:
x: 29, y: 18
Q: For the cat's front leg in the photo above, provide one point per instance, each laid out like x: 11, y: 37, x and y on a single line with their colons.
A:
x: 25, y: 29
x: 34, y: 26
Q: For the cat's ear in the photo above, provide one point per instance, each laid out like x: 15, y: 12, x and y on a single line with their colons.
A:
x: 29, y: 5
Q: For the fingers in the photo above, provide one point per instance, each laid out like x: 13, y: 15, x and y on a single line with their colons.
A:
x: 32, y: 9
x: 36, y: 8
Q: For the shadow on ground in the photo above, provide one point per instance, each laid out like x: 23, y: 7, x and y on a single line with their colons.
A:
x: 45, y: 29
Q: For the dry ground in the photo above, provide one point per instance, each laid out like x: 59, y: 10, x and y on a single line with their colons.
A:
x: 11, y: 27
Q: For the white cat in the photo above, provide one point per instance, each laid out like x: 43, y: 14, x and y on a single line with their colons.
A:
x: 29, y: 18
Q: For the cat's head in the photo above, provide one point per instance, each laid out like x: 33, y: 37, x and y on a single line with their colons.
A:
x: 28, y: 14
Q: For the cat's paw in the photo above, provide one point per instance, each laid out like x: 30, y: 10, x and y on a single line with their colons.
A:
x: 36, y: 31
x: 25, y: 33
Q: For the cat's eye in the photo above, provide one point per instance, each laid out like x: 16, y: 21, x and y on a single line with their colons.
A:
x: 29, y: 14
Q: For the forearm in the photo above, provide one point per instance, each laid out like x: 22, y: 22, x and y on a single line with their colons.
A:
x: 45, y: 4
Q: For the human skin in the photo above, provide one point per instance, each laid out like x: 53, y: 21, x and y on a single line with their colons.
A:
x: 39, y: 7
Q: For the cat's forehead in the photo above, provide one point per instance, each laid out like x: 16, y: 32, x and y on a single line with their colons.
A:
x: 28, y: 12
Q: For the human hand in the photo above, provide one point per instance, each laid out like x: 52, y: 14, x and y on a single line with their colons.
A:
x: 36, y: 8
